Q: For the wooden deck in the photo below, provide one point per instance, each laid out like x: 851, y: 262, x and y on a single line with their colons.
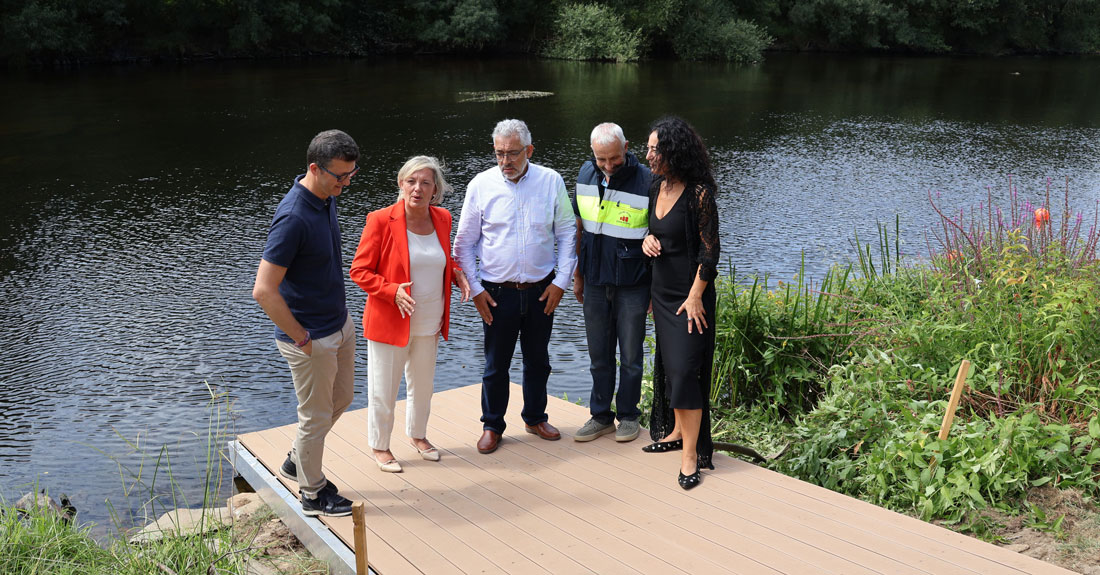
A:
x: 562, y: 507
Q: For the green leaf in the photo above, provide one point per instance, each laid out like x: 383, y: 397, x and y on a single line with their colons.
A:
x: 1042, y: 481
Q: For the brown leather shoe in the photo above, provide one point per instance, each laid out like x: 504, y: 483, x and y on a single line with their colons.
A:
x: 545, y: 431
x: 489, y: 441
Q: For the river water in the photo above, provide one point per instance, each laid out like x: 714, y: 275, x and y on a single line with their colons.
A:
x: 136, y: 202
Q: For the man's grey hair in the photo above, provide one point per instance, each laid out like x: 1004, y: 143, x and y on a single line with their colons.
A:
x: 510, y: 128
x: 331, y: 145
x: 607, y: 133
x: 417, y: 163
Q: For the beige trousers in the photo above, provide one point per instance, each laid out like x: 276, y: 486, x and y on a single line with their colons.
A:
x: 386, y: 363
x: 324, y: 383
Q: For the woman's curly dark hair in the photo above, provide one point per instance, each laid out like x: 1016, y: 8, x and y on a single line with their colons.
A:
x: 682, y: 151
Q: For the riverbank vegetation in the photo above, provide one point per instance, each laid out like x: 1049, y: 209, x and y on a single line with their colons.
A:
x: 170, y: 533
x: 63, y: 32
x: 853, y: 373
x: 37, y: 540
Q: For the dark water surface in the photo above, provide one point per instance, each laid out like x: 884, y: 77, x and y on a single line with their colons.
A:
x: 136, y: 201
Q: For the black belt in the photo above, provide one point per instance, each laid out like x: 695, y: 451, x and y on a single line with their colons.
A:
x: 520, y: 285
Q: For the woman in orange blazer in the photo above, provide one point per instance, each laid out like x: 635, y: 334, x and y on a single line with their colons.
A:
x: 404, y: 264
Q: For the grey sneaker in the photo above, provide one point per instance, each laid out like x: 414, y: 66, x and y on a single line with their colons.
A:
x: 593, y: 429
x: 628, y: 430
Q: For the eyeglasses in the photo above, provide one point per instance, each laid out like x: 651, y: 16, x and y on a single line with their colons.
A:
x: 507, y: 154
x: 341, y: 178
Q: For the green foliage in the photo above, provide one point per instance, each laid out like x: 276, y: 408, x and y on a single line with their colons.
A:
x: 58, y: 29
x: 772, y: 346
x: 592, y: 32
x: 708, y: 34
x: 864, y: 366
x: 61, y: 31
x: 41, y: 542
x: 874, y: 436
x: 459, y: 24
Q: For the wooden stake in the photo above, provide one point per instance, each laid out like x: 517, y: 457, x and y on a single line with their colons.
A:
x: 359, y: 519
x: 956, y: 393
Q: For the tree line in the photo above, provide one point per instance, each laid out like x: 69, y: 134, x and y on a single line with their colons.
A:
x: 61, y: 32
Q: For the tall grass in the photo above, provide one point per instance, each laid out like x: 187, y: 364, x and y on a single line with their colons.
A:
x: 38, y: 542
x: 863, y: 362
x: 772, y: 345
x: 1017, y: 293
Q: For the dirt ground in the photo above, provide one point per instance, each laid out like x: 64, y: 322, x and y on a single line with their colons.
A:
x: 1073, y: 544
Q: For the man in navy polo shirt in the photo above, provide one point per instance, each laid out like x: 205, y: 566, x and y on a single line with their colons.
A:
x: 300, y: 286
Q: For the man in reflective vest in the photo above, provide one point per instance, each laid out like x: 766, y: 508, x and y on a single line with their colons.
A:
x: 612, y: 278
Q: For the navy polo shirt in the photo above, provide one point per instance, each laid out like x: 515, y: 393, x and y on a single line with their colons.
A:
x: 305, y: 239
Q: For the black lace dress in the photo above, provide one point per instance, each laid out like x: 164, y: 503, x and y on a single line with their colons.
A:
x: 682, y: 364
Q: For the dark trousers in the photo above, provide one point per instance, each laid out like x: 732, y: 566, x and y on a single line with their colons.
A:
x: 518, y: 315
x: 614, y: 316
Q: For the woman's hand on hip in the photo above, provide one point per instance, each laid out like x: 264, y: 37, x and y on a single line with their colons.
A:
x: 695, y: 313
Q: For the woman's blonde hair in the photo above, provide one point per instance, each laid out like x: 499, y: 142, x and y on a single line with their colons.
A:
x: 417, y: 163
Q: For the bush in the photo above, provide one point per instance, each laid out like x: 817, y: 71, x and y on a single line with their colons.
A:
x: 592, y: 32
x: 733, y: 40
x: 864, y: 367
x: 875, y: 436
x: 462, y: 24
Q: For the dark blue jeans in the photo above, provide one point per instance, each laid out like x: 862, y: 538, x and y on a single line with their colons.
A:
x: 615, y: 314
x: 518, y: 315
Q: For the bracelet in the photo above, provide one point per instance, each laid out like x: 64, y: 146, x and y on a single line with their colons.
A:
x: 301, y: 344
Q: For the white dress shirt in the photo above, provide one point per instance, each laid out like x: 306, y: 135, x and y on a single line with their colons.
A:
x: 512, y: 227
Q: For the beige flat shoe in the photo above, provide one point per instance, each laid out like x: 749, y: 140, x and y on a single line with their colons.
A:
x: 391, y: 466
x: 429, y: 454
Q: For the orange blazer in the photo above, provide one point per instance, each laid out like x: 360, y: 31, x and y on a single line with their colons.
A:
x: 382, y: 263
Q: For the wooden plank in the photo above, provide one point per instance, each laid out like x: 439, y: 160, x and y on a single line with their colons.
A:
x: 588, y: 541
x: 455, y: 535
x: 269, y: 446
x: 688, y: 521
x: 858, y: 516
x: 536, y: 506
x: 359, y: 519
x: 953, y: 404
x: 432, y: 550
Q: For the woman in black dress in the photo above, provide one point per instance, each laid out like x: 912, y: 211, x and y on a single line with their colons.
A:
x: 683, y: 243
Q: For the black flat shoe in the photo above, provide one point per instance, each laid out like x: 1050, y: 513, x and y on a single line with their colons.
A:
x: 663, y: 446
x: 689, y: 481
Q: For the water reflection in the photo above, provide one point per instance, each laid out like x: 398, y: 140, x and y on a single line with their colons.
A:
x: 137, y: 203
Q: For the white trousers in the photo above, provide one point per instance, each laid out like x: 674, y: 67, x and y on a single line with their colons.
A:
x: 386, y: 363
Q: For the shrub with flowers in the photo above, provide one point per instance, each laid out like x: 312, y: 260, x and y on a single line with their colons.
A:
x: 861, y: 367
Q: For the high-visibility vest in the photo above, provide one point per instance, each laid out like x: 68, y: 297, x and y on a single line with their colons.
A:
x: 619, y: 214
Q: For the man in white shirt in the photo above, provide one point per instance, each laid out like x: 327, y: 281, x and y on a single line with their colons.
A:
x: 512, y: 217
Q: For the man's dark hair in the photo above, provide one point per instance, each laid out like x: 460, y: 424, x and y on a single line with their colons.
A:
x: 683, y: 152
x: 331, y: 145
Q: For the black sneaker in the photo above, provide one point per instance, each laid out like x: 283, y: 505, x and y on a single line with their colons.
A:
x: 290, y: 471
x: 327, y: 504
